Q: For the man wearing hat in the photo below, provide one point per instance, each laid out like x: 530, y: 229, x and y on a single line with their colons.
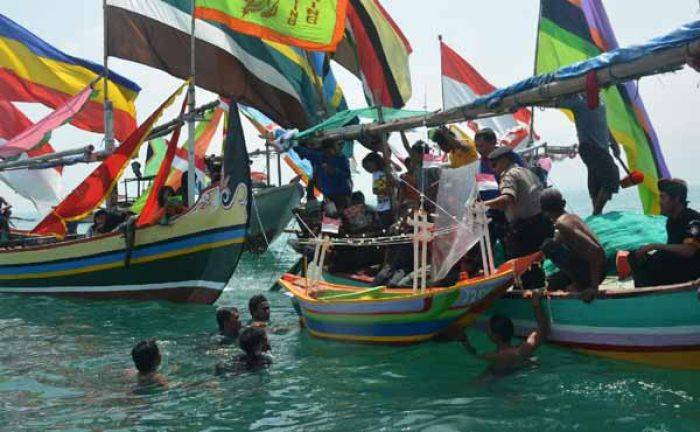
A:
x: 519, y: 198
x: 678, y: 260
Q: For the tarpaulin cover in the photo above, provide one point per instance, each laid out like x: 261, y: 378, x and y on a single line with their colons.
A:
x: 623, y: 231
x: 683, y: 35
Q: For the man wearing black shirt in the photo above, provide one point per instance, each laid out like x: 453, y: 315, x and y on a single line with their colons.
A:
x: 679, y: 259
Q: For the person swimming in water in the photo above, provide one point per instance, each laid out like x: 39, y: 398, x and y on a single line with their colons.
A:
x: 509, y: 357
x: 254, y: 343
x: 147, y: 358
x: 228, y: 320
x: 259, y: 308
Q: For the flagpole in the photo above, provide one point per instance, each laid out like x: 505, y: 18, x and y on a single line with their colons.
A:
x: 442, y: 73
x: 107, y: 103
x: 191, y: 170
x: 534, y: 70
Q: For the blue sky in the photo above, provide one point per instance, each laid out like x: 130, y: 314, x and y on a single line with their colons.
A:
x: 496, y: 36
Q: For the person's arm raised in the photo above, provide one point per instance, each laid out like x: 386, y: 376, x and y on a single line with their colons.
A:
x: 535, y: 338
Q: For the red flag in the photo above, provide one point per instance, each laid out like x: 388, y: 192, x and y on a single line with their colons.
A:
x: 98, y: 185
x: 461, y: 84
x: 152, y: 211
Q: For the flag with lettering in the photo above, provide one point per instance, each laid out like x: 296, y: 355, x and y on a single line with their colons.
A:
x: 310, y: 24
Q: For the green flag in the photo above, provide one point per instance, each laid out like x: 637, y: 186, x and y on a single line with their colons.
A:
x: 310, y: 24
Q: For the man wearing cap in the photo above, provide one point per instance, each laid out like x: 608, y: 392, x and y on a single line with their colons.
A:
x: 679, y: 259
x: 519, y: 198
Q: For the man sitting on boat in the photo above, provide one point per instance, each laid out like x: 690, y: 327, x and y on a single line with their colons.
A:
x: 575, y: 249
x: 507, y: 357
x: 331, y: 172
x: 678, y: 260
x: 519, y: 198
x: 594, y: 149
x: 359, y: 218
x: 99, y: 224
x: 172, y: 203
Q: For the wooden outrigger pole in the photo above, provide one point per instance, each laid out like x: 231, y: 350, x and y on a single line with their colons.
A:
x: 663, y: 60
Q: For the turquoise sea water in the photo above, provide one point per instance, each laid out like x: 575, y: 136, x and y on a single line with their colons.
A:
x: 64, y: 366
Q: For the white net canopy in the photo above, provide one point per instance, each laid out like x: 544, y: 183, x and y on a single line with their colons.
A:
x: 455, y: 222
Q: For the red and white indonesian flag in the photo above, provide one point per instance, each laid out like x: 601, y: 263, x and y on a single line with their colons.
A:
x: 486, y: 182
x: 330, y: 225
x: 462, y: 84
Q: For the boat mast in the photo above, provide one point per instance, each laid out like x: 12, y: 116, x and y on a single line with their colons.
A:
x: 107, y: 103
x: 191, y: 111
x: 442, y: 74
x: 534, y: 71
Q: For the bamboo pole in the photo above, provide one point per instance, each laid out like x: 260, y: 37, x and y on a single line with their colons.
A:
x: 108, y: 108
x: 170, y: 126
x: 51, y: 157
x: 534, y: 70
x: 662, y: 61
x: 191, y: 108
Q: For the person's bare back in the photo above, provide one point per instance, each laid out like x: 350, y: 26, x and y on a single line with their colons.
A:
x: 574, y: 232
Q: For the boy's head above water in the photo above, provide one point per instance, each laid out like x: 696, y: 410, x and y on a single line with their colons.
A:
x: 228, y: 320
x: 254, y: 341
x: 259, y: 308
x: 500, y: 329
x: 146, y: 356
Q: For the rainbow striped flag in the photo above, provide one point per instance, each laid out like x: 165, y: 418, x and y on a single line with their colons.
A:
x: 572, y: 31
x: 31, y: 70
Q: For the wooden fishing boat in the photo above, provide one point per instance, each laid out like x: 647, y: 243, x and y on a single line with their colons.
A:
x: 396, y: 315
x: 185, y: 258
x: 187, y: 261
x: 657, y: 326
x: 271, y: 214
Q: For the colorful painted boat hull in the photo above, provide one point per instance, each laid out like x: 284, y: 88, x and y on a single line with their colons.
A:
x: 271, y: 214
x: 190, y: 260
x: 394, y: 316
x: 654, y: 326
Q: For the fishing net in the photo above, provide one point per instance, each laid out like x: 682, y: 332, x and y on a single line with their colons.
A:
x: 622, y: 231
x: 456, y: 192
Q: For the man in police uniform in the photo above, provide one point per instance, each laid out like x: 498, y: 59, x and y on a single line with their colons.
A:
x: 519, y: 198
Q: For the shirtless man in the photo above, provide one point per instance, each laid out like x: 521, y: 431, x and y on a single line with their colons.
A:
x: 146, y: 356
x: 255, y: 345
x: 509, y: 357
x: 575, y: 249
